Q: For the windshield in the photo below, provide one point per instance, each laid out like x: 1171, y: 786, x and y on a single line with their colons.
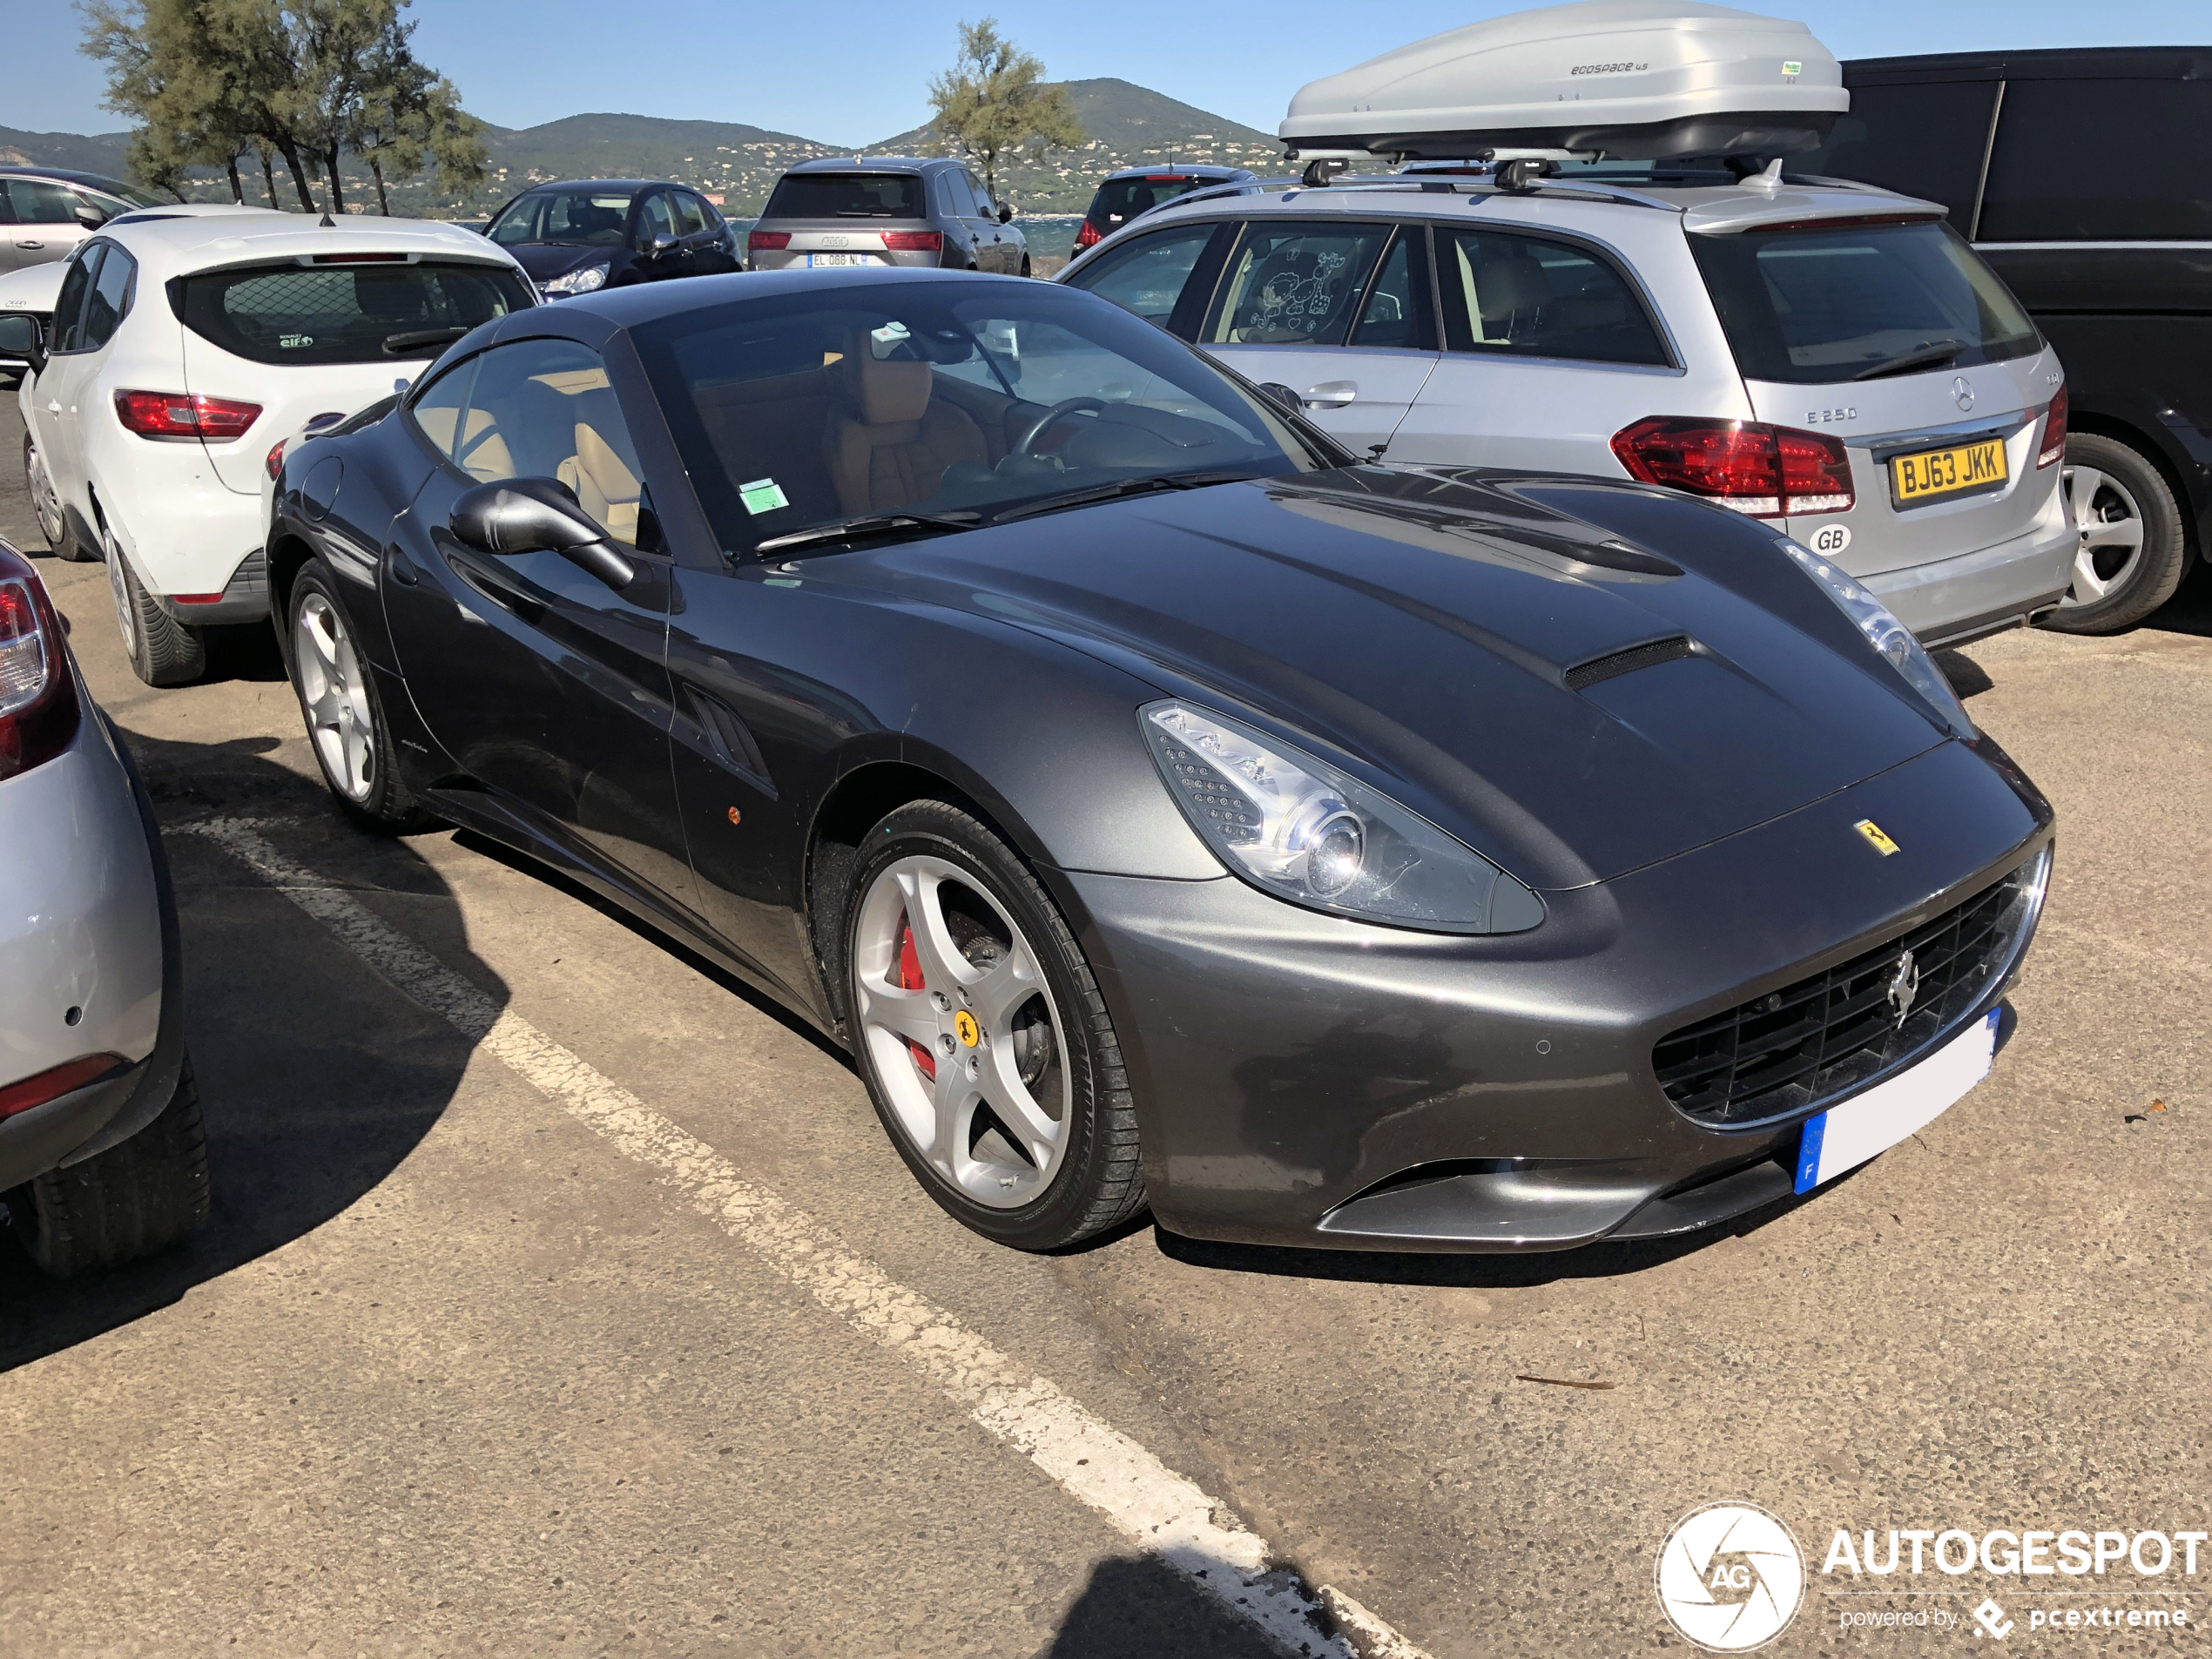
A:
x: 973, y: 400
x: 847, y: 195
x: 1119, y: 200
x: 1818, y: 307
x: 355, y: 313
x: 581, y: 218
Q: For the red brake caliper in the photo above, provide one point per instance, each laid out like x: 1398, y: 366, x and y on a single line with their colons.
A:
x: 910, y: 979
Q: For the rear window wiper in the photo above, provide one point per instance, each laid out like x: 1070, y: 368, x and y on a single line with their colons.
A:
x: 1935, y: 354
x: 846, y: 530
x: 1125, y: 486
x: 400, y: 344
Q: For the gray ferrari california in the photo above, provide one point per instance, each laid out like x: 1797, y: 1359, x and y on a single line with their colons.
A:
x: 1164, y: 806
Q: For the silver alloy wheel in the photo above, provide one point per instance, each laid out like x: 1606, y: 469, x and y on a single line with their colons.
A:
x: 972, y: 1060
x: 118, y: 583
x: 43, y: 500
x: 2111, y: 524
x: 337, y: 702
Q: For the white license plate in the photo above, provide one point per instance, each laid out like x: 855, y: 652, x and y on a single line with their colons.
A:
x: 1845, y: 1136
x: 814, y: 259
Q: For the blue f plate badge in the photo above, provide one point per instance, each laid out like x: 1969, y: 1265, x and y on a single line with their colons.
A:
x: 1845, y: 1136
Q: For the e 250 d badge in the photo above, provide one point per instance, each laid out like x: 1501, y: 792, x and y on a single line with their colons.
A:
x: 1731, y: 1577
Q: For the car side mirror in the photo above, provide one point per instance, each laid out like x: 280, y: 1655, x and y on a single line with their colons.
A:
x: 1284, y: 395
x: 21, y: 336
x: 90, y: 217
x: 661, y: 245
x: 1005, y: 213
x: 537, y: 515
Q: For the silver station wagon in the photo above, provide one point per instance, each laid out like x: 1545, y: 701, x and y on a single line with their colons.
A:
x: 1833, y: 358
x: 846, y: 212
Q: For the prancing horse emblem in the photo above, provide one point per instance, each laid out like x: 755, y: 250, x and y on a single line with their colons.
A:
x: 1905, y: 985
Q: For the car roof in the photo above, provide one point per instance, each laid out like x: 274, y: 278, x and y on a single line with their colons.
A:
x: 631, y: 185
x: 67, y: 175
x: 1178, y: 169
x: 175, y: 245
x: 875, y: 164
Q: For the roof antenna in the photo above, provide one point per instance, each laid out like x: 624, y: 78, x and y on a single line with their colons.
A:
x: 326, y: 223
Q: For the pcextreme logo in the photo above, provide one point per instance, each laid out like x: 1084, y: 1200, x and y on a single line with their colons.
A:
x: 1731, y: 1577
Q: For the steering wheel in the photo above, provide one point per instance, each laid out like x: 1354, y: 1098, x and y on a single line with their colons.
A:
x: 1066, y: 407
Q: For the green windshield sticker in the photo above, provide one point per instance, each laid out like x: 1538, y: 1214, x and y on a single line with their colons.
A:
x: 763, y: 495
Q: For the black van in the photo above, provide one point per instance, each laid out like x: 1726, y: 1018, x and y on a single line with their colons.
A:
x: 2084, y: 178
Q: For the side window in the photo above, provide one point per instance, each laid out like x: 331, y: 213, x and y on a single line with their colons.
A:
x: 37, y: 202
x: 69, y: 304
x: 109, y: 302
x: 1924, y: 139
x: 1147, y: 275
x: 984, y: 206
x: 437, y: 410
x: 2043, y: 188
x: 543, y: 409
x: 1294, y: 285
x: 1397, y: 311
x: 1526, y: 297
x: 655, y: 218
x: 691, y: 212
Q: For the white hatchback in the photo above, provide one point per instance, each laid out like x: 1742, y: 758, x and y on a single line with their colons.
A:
x: 183, y: 344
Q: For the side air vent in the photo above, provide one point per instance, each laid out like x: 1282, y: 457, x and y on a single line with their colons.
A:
x: 1585, y: 675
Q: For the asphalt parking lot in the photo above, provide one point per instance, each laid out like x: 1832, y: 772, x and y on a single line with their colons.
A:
x: 478, y: 1357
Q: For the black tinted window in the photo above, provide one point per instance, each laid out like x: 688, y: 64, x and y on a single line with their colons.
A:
x: 37, y: 202
x: 2102, y: 160
x: 358, y: 314
x: 69, y: 306
x: 582, y: 218
x: 1529, y: 298
x: 1119, y: 200
x: 1396, y: 313
x: 1147, y: 275
x: 1818, y: 308
x: 1924, y: 140
x: 847, y: 195
x: 109, y: 300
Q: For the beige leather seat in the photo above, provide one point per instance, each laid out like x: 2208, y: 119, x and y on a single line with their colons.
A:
x: 604, y: 487
x: 888, y: 445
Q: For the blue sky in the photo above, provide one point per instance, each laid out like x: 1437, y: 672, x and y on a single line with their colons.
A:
x: 859, y: 71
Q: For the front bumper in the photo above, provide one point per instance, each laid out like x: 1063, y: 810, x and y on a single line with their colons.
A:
x: 99, y: 934
x: 1294, y: 1073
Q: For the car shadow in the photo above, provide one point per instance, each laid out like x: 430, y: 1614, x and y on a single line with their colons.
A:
x: 316, y: 1079
x: 1142, y: 1608
x: 1966, y: 676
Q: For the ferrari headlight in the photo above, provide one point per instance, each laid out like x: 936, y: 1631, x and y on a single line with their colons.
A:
x: 579, y: 281
x: 1300, y: 829
x: 1892, y: 639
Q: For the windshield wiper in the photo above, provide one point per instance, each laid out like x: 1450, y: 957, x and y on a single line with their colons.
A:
x: 1125, y: 486
x: 1933, y: 355
x: 397, y: 345
x: 846, y: 530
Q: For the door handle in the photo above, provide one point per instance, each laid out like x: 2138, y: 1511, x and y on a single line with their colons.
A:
x: 396, y: 562
x: 30, y: 244
x: 1329, y: 394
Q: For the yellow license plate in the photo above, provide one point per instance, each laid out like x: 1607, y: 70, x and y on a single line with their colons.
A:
x: 1933, y: 472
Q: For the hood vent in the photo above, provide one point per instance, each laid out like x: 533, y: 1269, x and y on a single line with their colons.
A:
x: 1650, y: 655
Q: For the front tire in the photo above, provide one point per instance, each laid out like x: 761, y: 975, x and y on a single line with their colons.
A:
x: 46, y: 505
x: 338, y: 699
x: 163, y: 651
x: 140, y: 1196
x: 2132, y: 553
x: 981, y: 1033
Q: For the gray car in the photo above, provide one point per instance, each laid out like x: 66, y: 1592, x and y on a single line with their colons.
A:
x: 1832, y: 358
x: 101, y: 1156
x: 846, y: 212
x: 45, y: 212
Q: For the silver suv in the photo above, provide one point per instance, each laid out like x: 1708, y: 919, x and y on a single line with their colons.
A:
x: 886, y: 209
x: 1830, y: 357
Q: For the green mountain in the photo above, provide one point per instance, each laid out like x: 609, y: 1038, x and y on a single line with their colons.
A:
x: 734, y: 164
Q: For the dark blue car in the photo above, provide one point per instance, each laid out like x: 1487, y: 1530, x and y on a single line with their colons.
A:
x: 581, y: 235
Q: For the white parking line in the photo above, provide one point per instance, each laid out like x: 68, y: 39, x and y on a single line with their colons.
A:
x: 1164, y: 1513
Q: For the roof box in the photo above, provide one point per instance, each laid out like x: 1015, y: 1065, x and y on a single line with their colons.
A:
x: 1632, y: 79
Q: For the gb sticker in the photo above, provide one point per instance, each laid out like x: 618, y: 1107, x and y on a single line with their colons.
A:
x: 1829, y: 540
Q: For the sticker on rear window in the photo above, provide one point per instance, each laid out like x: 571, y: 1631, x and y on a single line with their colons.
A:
x: 295, y: 341
x: 763, y: 495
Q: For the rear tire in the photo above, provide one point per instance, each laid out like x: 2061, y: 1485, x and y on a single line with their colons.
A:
x: 163, y: 651
x: 46, y: 504
x: 139, y: 1196
x: 2133, y: 553
x: 346, y: 724
x: 1025, y: 265
x: 1021, y: 1125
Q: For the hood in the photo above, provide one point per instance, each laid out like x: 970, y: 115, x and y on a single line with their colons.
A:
x: 1468, y: 643
x: 545, y: 261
